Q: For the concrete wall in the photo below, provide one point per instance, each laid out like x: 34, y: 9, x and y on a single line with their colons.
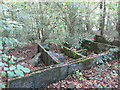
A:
x: 47, y: 58
x: 42, y: 78
x: 96, y: 46
x: 45, y: 77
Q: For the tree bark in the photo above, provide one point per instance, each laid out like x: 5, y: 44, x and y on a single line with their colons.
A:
x: 102, y: 19
x: 118, y: 23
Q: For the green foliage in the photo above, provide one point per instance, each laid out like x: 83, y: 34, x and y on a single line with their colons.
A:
x: 18, y: 72
x: 13, y: 67
x: 78, y: 75
x: 10, y: 68
x: 114, y: 49
x: 2, y: 85
x: 8, y: 64
x: 10, y: 73
x: 42, y: 21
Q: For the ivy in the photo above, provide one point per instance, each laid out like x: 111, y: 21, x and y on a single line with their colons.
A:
x: 8, y: 65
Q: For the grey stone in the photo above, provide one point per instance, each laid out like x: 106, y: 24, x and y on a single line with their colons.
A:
x: 46, y: 46
x: 58, y: 56
x: 22, y: 83
x: 47, y: 58
x: 71, y: 85
x: 20, y: 59
x: 35, y: 60
x: 100, y: 39
x: 40, y: 79
x: 24, y: 64
x: 116, y: 43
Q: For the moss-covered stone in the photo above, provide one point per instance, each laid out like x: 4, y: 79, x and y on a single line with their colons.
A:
x: 40, y: 79
x: 96, y: 46
x: 53, y: 73
x: 100, y: 39
x: 47, y: 58
x: 71, y: 53
x: 34, y: 60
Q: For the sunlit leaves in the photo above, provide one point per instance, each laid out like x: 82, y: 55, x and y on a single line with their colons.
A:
x: 10, y: 40
x: 19, y: 66
x: 11, y: 62
x: 0, y: 51
x: 2, y: 85
x: 19, y: 73
x: 1, y: 47
x: 3, y: 64
x: 6, y: 68
x: 4, y: 55
x: 3, y: 73
x: 10, y: 74
x: 12, y: 67
x: 5, y: 59
x: 26, y: 70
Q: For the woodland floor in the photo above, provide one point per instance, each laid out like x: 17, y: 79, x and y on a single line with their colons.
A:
x: 103, y: 76
x: 26, y: 52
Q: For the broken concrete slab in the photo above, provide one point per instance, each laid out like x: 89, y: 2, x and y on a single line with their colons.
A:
x: 46, y: 57
x: 35, y: 59
x: 96, y: 46
x: 59, y: 71
x: 71, y: 53
x: 43, y: 78
x: 51, y: 74
x: 102, y: 39
x: 60, y: 57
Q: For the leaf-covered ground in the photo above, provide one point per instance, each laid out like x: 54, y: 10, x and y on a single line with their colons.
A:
x: 26, y: 53
x: 102, y: 76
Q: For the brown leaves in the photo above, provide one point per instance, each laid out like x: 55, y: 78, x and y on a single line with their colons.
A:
x: 91, y: 78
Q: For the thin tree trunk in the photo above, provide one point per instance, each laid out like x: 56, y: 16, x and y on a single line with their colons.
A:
x: 118, y: 23
x: 102, y: 19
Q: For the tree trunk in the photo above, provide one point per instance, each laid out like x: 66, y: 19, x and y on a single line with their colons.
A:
x: 102, y: 19
x: 118, y: 23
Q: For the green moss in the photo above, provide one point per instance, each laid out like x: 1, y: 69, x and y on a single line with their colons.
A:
x: 57, y: 62
x: 59, y: 71
x: 71, y: 53
x: 82, y: 50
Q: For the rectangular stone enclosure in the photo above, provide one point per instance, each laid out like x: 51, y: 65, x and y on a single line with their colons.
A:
x: 55, y: 70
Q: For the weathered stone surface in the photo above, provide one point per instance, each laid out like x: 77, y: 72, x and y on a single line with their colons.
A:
x: 71, y: 85
x: 46, y: 76
x: 27, y: 82
x: 47, y: 58
x: 71, y: 53
x: 116, y: 43
x: 34, y: 60
x: 60, y: 57
x: 100, y: 39
x: 75, y: 67
x: 41, y: 79
x: 46, y: 46
x: 20, y: 59
x: 51, y: 75
x: 96, y: 46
